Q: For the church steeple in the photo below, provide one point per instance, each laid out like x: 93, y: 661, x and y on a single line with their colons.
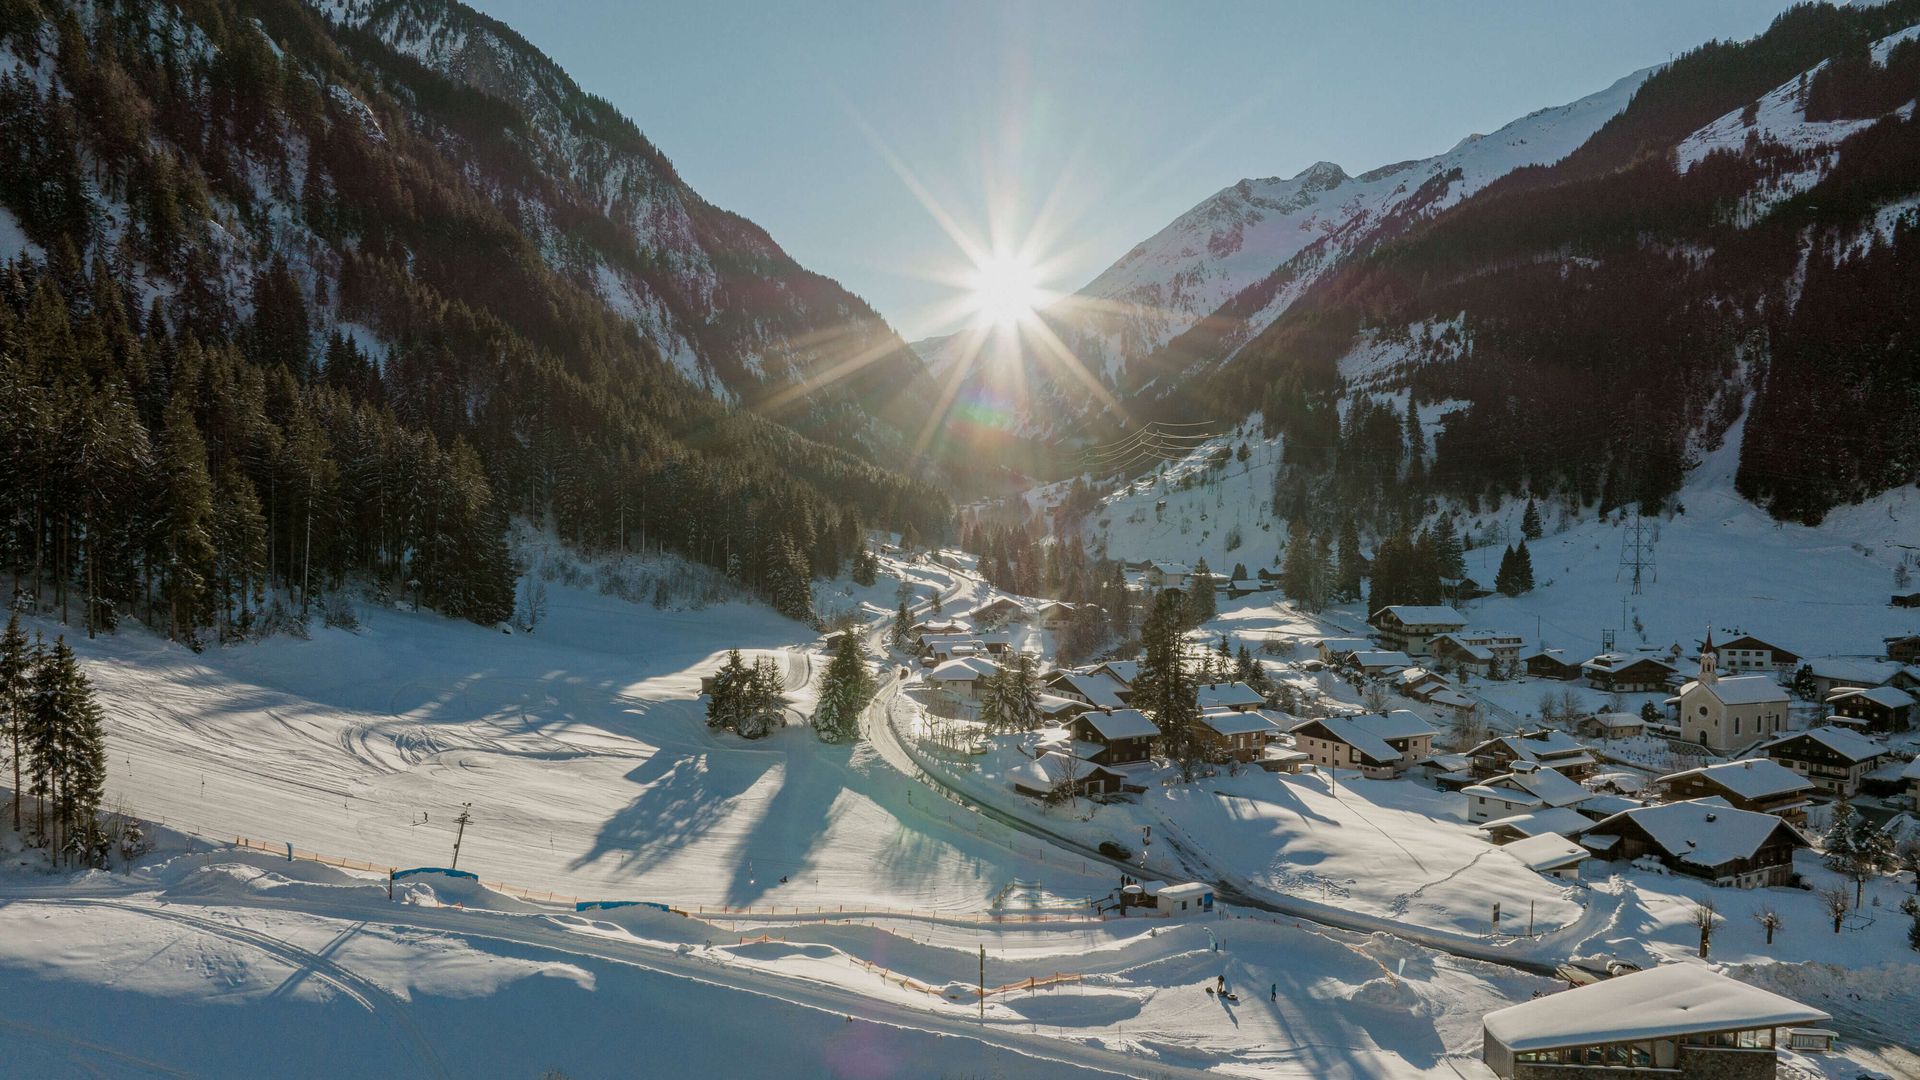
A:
x: 1709, y: 661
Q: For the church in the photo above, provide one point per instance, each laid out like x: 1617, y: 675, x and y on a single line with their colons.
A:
x: 1728, y: 715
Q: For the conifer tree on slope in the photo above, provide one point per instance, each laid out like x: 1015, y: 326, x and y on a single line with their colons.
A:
x: 68, y: 750
x: 991, y: 709
x: 844, y: 694
x: 1202, y: 604
x: 1021, y: 695
x: 1530, y: 522
x: 902, y: 631
x: 761, y: 704
x: 186, y: 513
x: 730, y: 689
x: 1165, y: 690
x: 16, y: 676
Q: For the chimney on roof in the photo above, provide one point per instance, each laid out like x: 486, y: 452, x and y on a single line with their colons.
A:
x: 1711, y: 816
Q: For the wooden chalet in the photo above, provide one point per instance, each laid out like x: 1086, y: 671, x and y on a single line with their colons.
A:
x: 1878, y: 708
x: 1833, y: 758
x: 1904, y: 649
x: 1381, y: 747
x: 1761, y: 785
x: 1551, y: 664
x: 1545, y: 748
x: 1238, y: 734
x: 1620, y: 673
x: 1123, y: 736
x: 1409, y: 627
x: 1747, y: 653
x: 1706, y: 839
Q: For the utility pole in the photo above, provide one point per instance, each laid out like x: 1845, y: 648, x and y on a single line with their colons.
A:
x: 306, y: 560
x: 983, y: 984
x: 466, y: 815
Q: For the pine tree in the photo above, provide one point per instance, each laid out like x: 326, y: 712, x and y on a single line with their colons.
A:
x: 186, y: 513
x: 68, y: 749
x: 16, y: 684
x: 844, y: 693
x: 788, y: 581
x: 240, y: 544
x: 1530, y: 522
x: 1351, y: 564
x: 901, y: 634
x: 1020, y: 695
x: 1165, y: 691
x: 1202, y: 603
x: 1523, y: 567
x: 762, y: 706
x: 731, y: 687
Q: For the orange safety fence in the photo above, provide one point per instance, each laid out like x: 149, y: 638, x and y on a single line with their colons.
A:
x: 1030, y: 983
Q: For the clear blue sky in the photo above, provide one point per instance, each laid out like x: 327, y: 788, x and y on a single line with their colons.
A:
x: 1125, y: 113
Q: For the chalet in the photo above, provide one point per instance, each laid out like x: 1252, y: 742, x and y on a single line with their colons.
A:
x: 939, y: 647
x: 1231, y: 696
x: 1911, y: 774
x: 1558, y: 820
x: 1878, y: 708
x: 1621, y: 673
x: 962, y: 677
x: 1381, y: 747
x: 1747, y: 653
x: 1053, y: 775
x: 1681, y: 1020
x: 1123, y: 735
x: 1911, y: 599
x: 1550, y: 855
x: 997, y: 612
x: 939, y: 627
x: 1730, y: 714
x: 1761, y: 785
x: 1123, y: 672
x: 1055, y: 615
x: 1425, y: 686
x: 1833, y: 758
x: 1058, y: 710
x: 1904, y: 649
x: 1544, y: 748
x: 1167, y: 575
x: 1337, y: 650
x: 1523, y: 791
x: 1235, y: 588
x: 1378, y: 662
x: 1704, y: 838
x: 1477, y: 650
x: 1600, y: 807
x: 1550, y: 664
x: 1831, y: 673
x: 1240, y: 735
x: 1095, y: 689
x: 1463, y: 589
x: 1408, y: 627
x: 1612, y: 725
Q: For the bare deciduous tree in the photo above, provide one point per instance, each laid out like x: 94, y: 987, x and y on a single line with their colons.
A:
x: 1708, y: 920
x: 1837, y: 903
x: 1769, y: 919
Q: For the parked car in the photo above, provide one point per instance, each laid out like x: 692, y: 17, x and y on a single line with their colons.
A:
x: 1114, y: 850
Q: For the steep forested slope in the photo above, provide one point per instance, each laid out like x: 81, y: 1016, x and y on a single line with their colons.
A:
x: 291, y: 305
x: 1593, y: 325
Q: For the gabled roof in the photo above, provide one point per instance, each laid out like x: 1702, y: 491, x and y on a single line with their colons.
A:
x: 1886, y: 697
x: 1704, y: 832
x: 1228, y: 695
x: 1052, y: 705
x: 1556, y: 655
x: 1912, y: 771
x: 1381, y: 658
x: 1170, y: 568
x: 1740, y: 689
x: 1229, y: 723
x: 1662, y: 1002
x: 1753, y: 778
x: 1422, y: 615
x: 1099, y: 690
x: 1554, y: 819
x: 1368, y: 733
x: 1547, y: 851
x: 1614, y: 662
x: 964, y: 669
x: 1120, y: 724
x: 1748, y: 641
x: 1053, y: 769
x: 1853, y: 672
x: 1618, y: 720
x: 1126, y: 671
x: 1850, y: 745
x: 1544, y: 784
x: 1542, y: 745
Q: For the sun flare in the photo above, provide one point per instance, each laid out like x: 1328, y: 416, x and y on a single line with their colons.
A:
x: 1004, y: 291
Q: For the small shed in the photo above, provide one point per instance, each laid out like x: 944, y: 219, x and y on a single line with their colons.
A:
x: 1189, y: 898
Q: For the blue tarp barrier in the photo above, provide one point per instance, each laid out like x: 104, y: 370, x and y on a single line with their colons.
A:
x: 436, y: 870
x: 594, y: 905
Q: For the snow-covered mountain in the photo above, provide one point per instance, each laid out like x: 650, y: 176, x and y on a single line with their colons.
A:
x: 723, y: 302
x: 1231, y: 265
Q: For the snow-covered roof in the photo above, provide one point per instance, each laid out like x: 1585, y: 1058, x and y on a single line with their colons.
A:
x: 1228, y: 722
x: 1190, y: 890
x: 1753, y: 778
x: 1554, y: 819
x: 1662, y: 1002
x: 1740, y: 689
x: 1547, y: 851
x: 1912, y: 771
x: 1548, y: 786
x: 1452, y: 698
x: 1052, y: 769
x: 1550, y: 654
x: 1368, y: 732
x: 1884, y: 696
x: 1543, y: 745
x: 1051, y: 704
x: 1381, y: 658
x: 1231, y: 695
x: 964, y: 669
x: 1120, y: 724
x: 1606, y: 662
x: 1704, y: 832
x: 1424, y: 615
x: 1101, y: 691
x: 1618, y: 720
x: 1848, y: 744
x: 1853, y: 672
x: 1124, y: 670
x: 1506, y: 795
x: 1344, y: 644
x: 1171, y: 569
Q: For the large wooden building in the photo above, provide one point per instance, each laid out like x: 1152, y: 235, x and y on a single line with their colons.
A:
x: 1703, y: 838
x: 1408, y: 628
x: 1761, y: 785
x: 1833, y: 758
x: 1381, y: 747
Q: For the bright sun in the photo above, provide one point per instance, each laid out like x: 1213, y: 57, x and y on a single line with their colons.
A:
x: 1005, y: 291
